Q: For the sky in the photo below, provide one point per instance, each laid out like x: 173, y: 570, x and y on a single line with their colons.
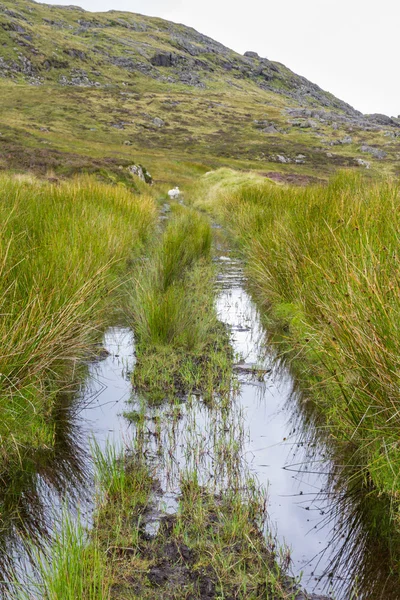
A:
x: 347, y: 47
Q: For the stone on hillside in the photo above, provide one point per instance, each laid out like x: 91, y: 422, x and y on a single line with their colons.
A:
x: 382, y: 119
x: 309, y: 123
x: 251, y: 54
x: 73, y: 53
x: 158, y: 122
x: 347, y: 140
x: 375, y: 152
x: 270, y: 129
x: 283, y: 159
x: 363, y: 163
x: 141, y: 172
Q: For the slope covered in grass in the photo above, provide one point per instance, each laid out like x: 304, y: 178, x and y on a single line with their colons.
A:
x: 95, y: 91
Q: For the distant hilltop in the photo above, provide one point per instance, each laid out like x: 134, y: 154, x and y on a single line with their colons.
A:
x: 120, y: 54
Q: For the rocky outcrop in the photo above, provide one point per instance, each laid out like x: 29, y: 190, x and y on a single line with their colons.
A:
x: 108, y: 50
x: 141, y: 172
x: 375, y: 152
x: 163, y: 60
x: 250, y: 54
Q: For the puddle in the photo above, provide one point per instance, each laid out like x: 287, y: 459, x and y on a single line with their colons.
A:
x: 272, y: 448
x: 32, y: 501
x: 107, y: 390
x: 262, y: 433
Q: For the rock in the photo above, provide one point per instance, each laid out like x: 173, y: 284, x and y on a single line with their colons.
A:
x: 158, y: 122
x: 382, y: 120
x: 183, y: 43
x: 250, y: 54
x: 363, y: 163
x: 79, y: 78
x: 270, y: 129
x: 346, y: 140
x: 283, y: 159
x: 54, y: 63
x: 375, y: 152
x: 73, y: 53
x: 119, y: 125
x: 309, y: 123
x: 141, y: 172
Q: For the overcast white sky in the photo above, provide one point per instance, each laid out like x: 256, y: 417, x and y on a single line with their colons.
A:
x: 348, y: 47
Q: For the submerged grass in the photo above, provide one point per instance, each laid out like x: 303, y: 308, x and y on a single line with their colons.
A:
x: 212, y: 546
x: 63, y: 250
x: 181, y: 346
x: 324, y: 263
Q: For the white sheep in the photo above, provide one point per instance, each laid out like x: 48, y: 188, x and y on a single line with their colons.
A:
x: 174, y: 194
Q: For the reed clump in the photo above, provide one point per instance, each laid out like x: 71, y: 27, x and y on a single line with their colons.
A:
x: 63, y: 250
x: 181, y: 345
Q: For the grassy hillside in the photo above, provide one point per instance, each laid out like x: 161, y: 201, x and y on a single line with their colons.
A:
x: 95, y: 92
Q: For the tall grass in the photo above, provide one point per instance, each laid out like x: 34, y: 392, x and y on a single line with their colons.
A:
x: 324, y: 262
x: 180, y: 342
x: 63, y: 249
x: 168, y: 296
x: 74, y: 567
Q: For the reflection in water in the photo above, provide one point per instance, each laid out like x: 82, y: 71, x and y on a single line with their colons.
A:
x: 32, y: 499
x: 28, y: 496
x: 269, y: 431
x: 362, y: 546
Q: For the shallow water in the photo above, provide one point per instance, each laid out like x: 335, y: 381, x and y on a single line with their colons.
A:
x: 273, y: 450
x: 264, y: 432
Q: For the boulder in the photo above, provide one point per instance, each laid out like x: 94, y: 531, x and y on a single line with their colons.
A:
x: 141, y: 172
x: 270, y: 129
x: 363, y: 163
x: 158, y: 122
x: 251, y: 54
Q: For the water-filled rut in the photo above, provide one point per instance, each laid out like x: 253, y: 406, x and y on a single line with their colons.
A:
x: 264, y: 430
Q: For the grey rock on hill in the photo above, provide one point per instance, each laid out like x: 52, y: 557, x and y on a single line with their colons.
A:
x: 45, y: 43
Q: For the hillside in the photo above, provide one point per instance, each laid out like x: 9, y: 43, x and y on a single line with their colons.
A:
x: 96, y: 91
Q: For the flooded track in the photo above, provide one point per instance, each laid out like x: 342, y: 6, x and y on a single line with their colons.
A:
x: 263, y: 434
